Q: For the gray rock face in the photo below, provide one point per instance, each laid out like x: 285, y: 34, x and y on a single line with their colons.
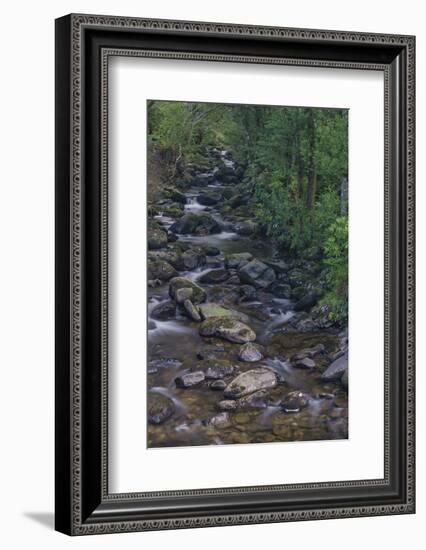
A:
x: 217, y: 385
x: 157, y: 238
x: 250, y: 353
x: 295, y: 401
x: 198, y: 293
x: 305, y: 363
x: 164, y: 311
x: 257, y: 273
x: 191, y: 311
x: 218, y: 368
x: 193, y: 258
x: 183, y: 294
x: 246, y: 228
x: 237, y: 261
x: 250, y: 382
x: 215, y: 276
x: 310, y: 352
x: 160, y: 408
x: 190, y: 379
x: 221, y: 420
x: 336, y: 370
x: 160, y: 269
x: 199, y: 224
x: 227, y: 328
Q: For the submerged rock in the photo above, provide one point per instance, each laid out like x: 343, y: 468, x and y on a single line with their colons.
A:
x: 198, y: 293
x: 202, y: 224
x: 160, y: 269
x: 227, y: 405
x: 221, y: 420
x: 257, y: 400
x: 191, y: 311
x: 218, y: 368
x: 190, y: 379
x: 217, y: 385
x: 160, y: 408
x: 336, y: 370
x: 310, y: 352
x: 257, y: 273
x: 295, y: 401
x: 250, y: 353
x: 237, y: 261
x: 215, y: 276
x: 305, y: 363
x: 227, y: 328
x: 164, y: 311
x: 250, y: 382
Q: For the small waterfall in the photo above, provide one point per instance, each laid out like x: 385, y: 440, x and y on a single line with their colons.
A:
x: 193, y: 205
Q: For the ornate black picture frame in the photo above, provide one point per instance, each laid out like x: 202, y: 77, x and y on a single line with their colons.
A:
x: 83, y: 45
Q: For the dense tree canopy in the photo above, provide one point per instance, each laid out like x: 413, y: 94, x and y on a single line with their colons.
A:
x: 296, y: 167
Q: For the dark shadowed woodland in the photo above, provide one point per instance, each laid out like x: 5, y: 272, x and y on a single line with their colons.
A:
x: 247, y: 274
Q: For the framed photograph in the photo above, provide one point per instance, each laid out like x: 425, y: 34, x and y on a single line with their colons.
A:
x: 234, y: 274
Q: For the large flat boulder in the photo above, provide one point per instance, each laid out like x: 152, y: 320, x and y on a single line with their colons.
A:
x: 227, y: 328
x: 250, y: 382
x: 257, y: 273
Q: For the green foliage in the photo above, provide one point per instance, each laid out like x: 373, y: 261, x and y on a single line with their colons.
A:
x: 294, y: 158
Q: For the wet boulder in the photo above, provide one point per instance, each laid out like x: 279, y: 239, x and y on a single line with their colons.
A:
x: 157, y: 237
x: 247, y: 293
x: 280, y: 290
x: 307, y: 301
x: 238, y: 260
x: 250, y: 382
x: 171, y: 256
x: 198, y: 293
x: 216, y: 369
x: 211, y: 309
x: 164, y: 311
x: 345, y: 379
x: 201, y: 224
x: 209, y: 198
x: 175, y: 195
x: 215, y: 276
x: 310, y: 352
x: 190, y: 379
x: 227, y: 328
x: 257, y: 273
x: 257, y: 400
x: 294, y: 401
x: 183, y: 294
x: 250, y: 353
x: 191, y: 311
x: 160, y: 269
x: 227, y: 405
x: 305, y: 363
x: 160, y: 408
x: 193, y: 258
x: 246, y: 228
x: 336, y: 370
x: 217, y: 385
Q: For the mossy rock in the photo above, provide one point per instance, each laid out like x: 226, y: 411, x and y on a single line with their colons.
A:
x: 198, y: 293
x: 228, y: 328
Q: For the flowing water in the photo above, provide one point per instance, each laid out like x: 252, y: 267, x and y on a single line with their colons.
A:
x: 175, y: 347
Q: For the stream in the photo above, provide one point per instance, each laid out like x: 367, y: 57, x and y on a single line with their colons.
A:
x: 196, y: 415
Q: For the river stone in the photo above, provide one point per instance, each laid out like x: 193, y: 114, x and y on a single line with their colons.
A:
x: 218, y: 368
x: 183, y: 294
x: 227, y: 328
x: 250, y: 382
x: 257, y: 273
x: 210, y: 309
x: 209, y: 198
x: 198, y: 293
x: 239, y: 260
x: 295, y: 401
x: 217, y: 385
x: 151, y: 324
x: 164, y: 311
x: 160, y: 269
x: 250, y: 353
x: 173, y: 257
x: 307, y: 301
x: 221, y: 420
x: 190, y: 379
x: 246, y: 228
x: 202, y: 224
x: 192, y: 311
x: 227, y: 405
x: 311, y: 352
x: 247, y: 293
x: 337, y: 368
x: 211, y: 250
x: 215, y: 276
x: 157, y: 238
x: 256, y: 400
x: 193, y: 258
x: 305, y: 363
x: 280, y: 290
x: 175, y: 195
x: 160, y: 408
